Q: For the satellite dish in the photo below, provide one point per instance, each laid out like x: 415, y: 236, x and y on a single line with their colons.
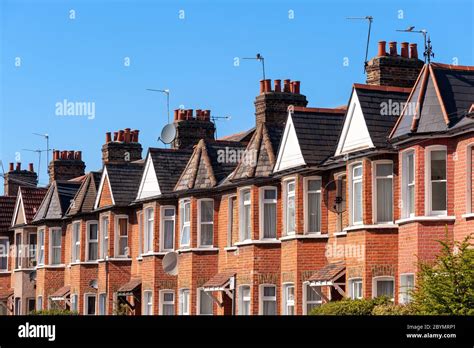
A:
x: 170, y: 263
x: 168, y: 133
x: 335, y: 195
x: 93, y: 284
x: 33, y: 276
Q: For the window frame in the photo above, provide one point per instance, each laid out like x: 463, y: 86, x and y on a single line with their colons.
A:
x: 104, y: 237
x: 286, y: 195
x: 230, y: 219
x: 51, y: 247
x: 148, y: 217
x: 428, y: 182
x: 200, y: 223
x: 285, y: 301
x: 242, y: 204
x: 306, y: 285
x: 117, y: 237
x: 102, y: 295
x: 243, y: 298
x: 164, y: 218
x: 5, y: 254
x: 375, y: 280
x: 375, y: 192
x: 40, y: 252
x: 182, y: 223
x: 263, y: 298
x: 201, y: 291
x: 32, y: 259
x: 306, y: 193
x: 39, y: 303
x: 469, y: 179
x: 351, y: 283
x: 86, y: 303
x: 182, y: 292
x: 88, y: 240
x: 18, y: 249
x: 74, y: 302
x: 75, y: 244
x: 147, y: 302
x: 140, y: 232
x: 352, y: 182
x: 402, y: 292
x: 263, y: 201
x: 163, y: 302
x: 405, y: 184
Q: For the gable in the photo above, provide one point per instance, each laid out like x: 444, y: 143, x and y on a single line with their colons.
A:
x: 149, y: 185
x: 105, y: 197
x: 289, y: 154
x: 355, y: 135
x: 19, y: 215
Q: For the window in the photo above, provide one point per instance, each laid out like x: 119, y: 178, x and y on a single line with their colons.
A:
x: 55, y: 247
x: 92, y: 241
x: 4, y: 246
x: 268, y: 208
x: 147, y: 302
x: 149, y: 226
x: 32, y: 243
x: 245, y: 220
x: 311, y: 298
x: 289, y: 299
x: 104, y: 237
x: 122, y: 237
x: 313, y: 205
x: 74, y: 303
x: 383, y: 286
x: 89, y: 304
x: 167, y: 228
x: 184, y: 302
x: 31, y: 305
x: 205, y: 303
x: 76, y: 242
x: 39, y: 303
x: 356, y: 195
x: 268, y: 300
x: 206, y: 222
x: 436, y: 180
x: 407, y: 284
x: 232, y: 219
x: 166, y: 302
x: 140, y: 233
x: 102, y: 304
x: 17, y: 306
x: 340, y: 202
x: 244, y: 300
x: 355, y: 288
x: 18, y: 249
x: 383, y: 192
x: 40, y: 247
x: 470, y: 179
x: 290, y: 207
x: 408, y: 184
x: 185, y: 219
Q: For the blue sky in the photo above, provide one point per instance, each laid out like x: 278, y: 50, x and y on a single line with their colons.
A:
x: 82, y: 59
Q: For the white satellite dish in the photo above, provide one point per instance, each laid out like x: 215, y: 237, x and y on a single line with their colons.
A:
x: 170, y: 263
x: 168, y: 133
x: 93, y: 284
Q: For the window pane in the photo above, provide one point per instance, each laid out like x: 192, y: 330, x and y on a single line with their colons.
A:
x: 168, y: 296
x: 311, y: 295
x: 438, y: 165
x: 90, y: 305
x: 269, y: 308
x: 185, y: 235
x: 290, y: 214
x: 314, y: 185
x: 168, y: 234
x: 357, y: 171
x: 168, y: 309
x: 269, y: 291
x: 411, y: 168
x: 314, y: 212
x: 207, y: 234
x: 187, y: 212
x: 205, y: 304
x: 269, y: 194
x: 384, y: 200
x: 438, y: 196
x: 411, y: 197
x: 385, y: 288
x: 246, y: 195
x: 246, y: 222
x: 207, y: 212
x: 169, y: 212
x: 384, y: 169
x: 92, y: 231
x: 269, y: 223
x: 357, y: 202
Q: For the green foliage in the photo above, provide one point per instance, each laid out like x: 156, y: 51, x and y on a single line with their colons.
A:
x: 351, y: 307
x: 121, y: 309
x: 53, y: 312
x: 446, y: 287
x: 392, y: 309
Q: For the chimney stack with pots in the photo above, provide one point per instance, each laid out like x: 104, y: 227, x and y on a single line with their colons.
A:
x: 192, y: 126
x: 124, y: 147
x: 66, y: 165
x: 16, y: 177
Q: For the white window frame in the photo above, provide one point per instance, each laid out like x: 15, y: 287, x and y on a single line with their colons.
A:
x: 76, y: 244
x: 286, y: 196
x: 148, y: 217
x: 286, y: 303
x: 262, y: 210
x: 18, y: 250
x: 40, y: 253
x: 243, y: 298
x: 200, y: 223
x: 263, y: 298
x: 230, y: 218
x: 353, y: 181
x: 51, y: 231
x: 162, y: 294
x: 39, y: 303
x: 351, y: 283
x: 242, y: 204
x: 182, y: 208
x: 75, y: 303
x: 86, y: 304
x: 140, y: 232
x: 428, y: 182
x: 164, y: 218
x: 374, y: 189
x: 88, y: 240
x: 102, y: 295
x: 5, y: 254
x: 147, y: 302
x: 381, y: 278
x: 305, y: 298
x: 32, y: 261
x: 405, y: 184
x: 470, y: 173
x: 306, y: 193
x: 104, y: 237
x: 117, y: 237
x: 198, y: 301
x: 184, y: 292
x: 401, y: 291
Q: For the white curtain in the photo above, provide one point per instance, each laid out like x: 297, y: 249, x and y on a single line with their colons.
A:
x: 207, y: 228
x: 314, y: 212
x: 168, y: 234
x: 269, y: 216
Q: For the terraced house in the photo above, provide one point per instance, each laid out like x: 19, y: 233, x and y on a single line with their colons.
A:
x: 311, y: 205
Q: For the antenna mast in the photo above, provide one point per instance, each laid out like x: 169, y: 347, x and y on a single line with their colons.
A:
x: 428, y: 53
x: 370, y: 19
x: 259, y: 58
x: 218, y: 118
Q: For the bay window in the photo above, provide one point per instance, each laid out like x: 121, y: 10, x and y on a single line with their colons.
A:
x: 436, y: 180
x: 312, y: 212
x: 408, y: 184
x: 76, y: 242
x: 55, y: 246
x: 167, y: 228
x: 206, y: 222
x: 244, y: 300
x: 356, y: 195
x: 92, y: 241
x: 289, y: 207
x: 121, y: 237
x: 185, y: 222
x: 383, y: 192
x: 268, y: 300
x: 245, y: 220
x: 268, y: 209
x: 148, y: 230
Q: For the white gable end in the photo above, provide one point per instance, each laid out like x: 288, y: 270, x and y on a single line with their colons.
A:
x: 355, y: 134
x: 149, y: 185
x: 289, y: 155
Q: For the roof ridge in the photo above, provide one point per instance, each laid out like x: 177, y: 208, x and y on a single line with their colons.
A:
x: 452, y: 66
x: 336, y: 110
x: 382, y: 88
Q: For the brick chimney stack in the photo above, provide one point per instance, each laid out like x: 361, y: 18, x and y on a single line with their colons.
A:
x: 393, y: 69
x: 192, y: 127
x: 66, y: 165
x: 271, y: 106
x: 17, y: 177
x: 123, y: 148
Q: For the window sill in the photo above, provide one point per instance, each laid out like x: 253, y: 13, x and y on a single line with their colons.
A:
x: 305, y: 236
x: 47, y: 266
x: 232, y: 248
x: 158, y: 253
x: 198, y: 250
x: 340, y: 234
x: 128, y: 259
x: 370, y: 227
x: 468, y: 216
x: 257, y: 241
x: 94, y: 262
x: 5, y: 272
x: 425, y: 218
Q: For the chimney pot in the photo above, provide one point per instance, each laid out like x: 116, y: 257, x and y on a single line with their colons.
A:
x: 286, y: 86
x: 199, y: 114
x: 393, y: 48
x: 30, y: 167
x: 126, y: 135
x: 108, y: 137
x: 55, y: 155
x: 413, y: 51
x: 268, y: 85
x: 278, y: 86
x: 262, y: 86
x: 189, y: 114
x: 176, y: 114
x: 18, y: 166
x: 63, y: 155
x: 115, y: 136
x: 70, y: 155
x: 404, y: 50
x: 11, y: 167
x: 120, y: 135
x: 78, y: 155
x: 207, y: 116
x: 296, y: 87
x: 182, y: 114
x: 382, y: 51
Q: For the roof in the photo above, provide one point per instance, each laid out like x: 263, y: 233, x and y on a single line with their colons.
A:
x: 124, y: 181
x: 31, y: 198
x: 57, y: 200
x: 61, y: 293
x: 5, y: 293
x: 328, y: 272
x: 210, y: 163
x: 443, y: 95
x: 168, y: 165
x: 241, y: 136
x: 7, y: 208
x: 130, y: 287
x: 84, y: 199
x: 219, y: 280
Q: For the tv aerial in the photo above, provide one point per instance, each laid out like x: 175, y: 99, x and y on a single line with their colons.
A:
x: 214, y: 119
x: 261, y: 59
x: 370, y: 19
x: 38, y: 151
x: 428, y: 52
